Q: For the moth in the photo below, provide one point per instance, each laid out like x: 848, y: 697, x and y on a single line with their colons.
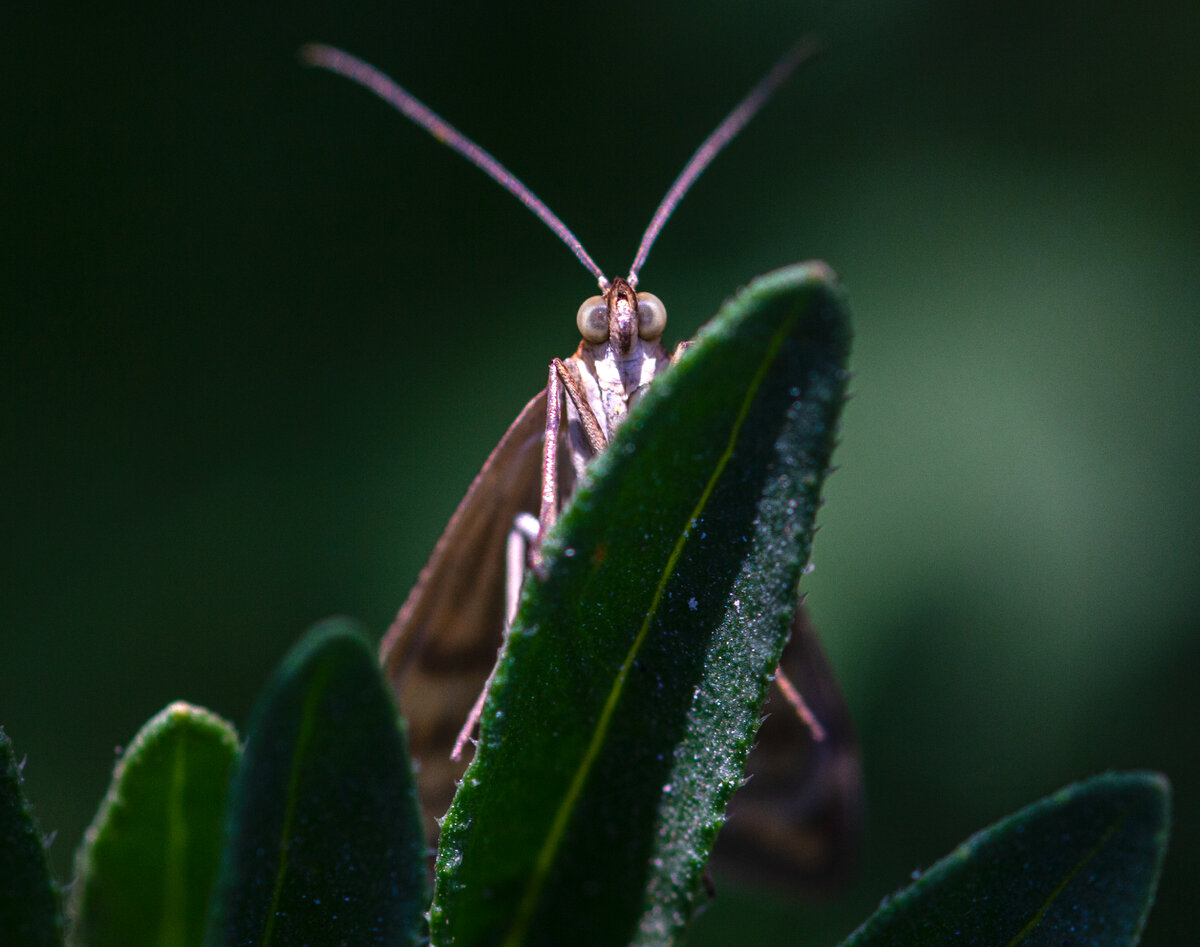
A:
x: 794, y: 823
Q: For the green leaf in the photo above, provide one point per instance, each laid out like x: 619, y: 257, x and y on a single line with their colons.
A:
x: 325, y: 843
x: 29, y: 906
x: 630, y: 688
x: 145, y: 870
x: 1079, y: 867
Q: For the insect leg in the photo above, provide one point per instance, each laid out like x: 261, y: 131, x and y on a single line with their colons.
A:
x: 587, y: 417
x: 468, y: 728
x: 561, y: 380
x: 549, y: 507
x: 522, y: 536
x: 803, y: 711
x: 520, y: 541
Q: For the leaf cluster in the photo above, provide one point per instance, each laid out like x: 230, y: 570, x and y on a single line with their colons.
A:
x: 624, y: 707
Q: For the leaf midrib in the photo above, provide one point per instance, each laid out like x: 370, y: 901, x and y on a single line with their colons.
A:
x: 549, y: 851
x: 316, y: 689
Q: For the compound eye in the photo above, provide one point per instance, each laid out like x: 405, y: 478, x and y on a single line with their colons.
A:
x: 592, y: 320
x: 652, y: 316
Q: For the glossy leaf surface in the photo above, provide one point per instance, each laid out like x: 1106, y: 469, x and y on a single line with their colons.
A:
x: 1079, y: 867
x: 630, y: 689
x: 325, y: 847
x: 145, y: 871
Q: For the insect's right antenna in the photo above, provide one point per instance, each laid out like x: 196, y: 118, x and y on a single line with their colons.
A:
x: 366, y: 75
x: 733, y: 123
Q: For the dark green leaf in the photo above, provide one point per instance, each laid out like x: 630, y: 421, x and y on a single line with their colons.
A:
x: 1079, y: 867
x: 630, y: 689
x: 29, y: 908
x: 145, y: 871
x: 325, y: 843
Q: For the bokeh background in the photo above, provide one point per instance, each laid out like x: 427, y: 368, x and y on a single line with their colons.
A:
x: 257, y: 334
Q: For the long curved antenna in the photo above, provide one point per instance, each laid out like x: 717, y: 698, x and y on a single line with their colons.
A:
x: 734, y: 122
x: 366, y: 75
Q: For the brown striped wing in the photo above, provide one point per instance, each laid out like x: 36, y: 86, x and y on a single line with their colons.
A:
x: 795, y: 824
x: 438, y: 652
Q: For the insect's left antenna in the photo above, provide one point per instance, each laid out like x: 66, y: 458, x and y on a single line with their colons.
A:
x: 733, y: 123
x: 366, y: 75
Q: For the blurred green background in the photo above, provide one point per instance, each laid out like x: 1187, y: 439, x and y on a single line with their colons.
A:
x: 258, y: 334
